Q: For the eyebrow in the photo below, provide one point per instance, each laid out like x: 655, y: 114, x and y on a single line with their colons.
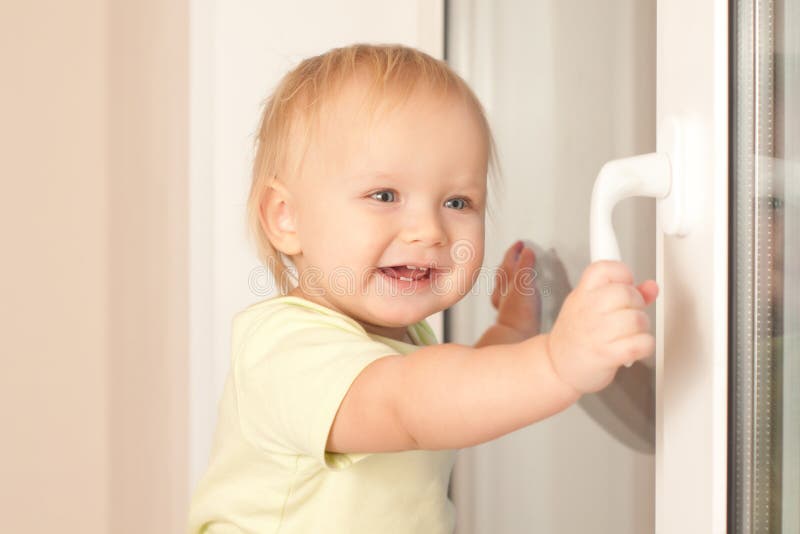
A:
x: 376, y: 175
x: 381, y: 175
x: 472, y: 188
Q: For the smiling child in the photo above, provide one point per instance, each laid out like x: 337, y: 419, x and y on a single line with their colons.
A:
x: 342, y: 412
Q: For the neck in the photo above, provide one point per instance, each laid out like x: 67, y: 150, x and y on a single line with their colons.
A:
x: 398, y: 333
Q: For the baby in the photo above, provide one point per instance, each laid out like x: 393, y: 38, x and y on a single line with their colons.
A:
x: 342, y: 412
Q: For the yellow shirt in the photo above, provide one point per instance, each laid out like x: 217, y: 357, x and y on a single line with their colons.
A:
x: 292, y: 364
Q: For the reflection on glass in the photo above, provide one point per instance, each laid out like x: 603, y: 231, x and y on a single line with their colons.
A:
x: 765, y: 367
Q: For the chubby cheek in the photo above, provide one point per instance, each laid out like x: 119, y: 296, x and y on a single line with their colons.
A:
x: 336, y: 242
x: 317, y: 234
x: 473, y: 262
x: 466, y: 259
x: 466, y: 250
x: 473, y: 271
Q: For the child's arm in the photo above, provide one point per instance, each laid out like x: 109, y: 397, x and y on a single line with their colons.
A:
x: 500, y: 334
x: 453, y: 396
x: 463, y: 396
x: 448, y: 396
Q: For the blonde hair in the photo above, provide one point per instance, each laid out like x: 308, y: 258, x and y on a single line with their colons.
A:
x: 292, y: 111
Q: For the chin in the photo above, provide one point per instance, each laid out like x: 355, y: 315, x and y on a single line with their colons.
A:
x: 403, y: 314
x: 396, y: 320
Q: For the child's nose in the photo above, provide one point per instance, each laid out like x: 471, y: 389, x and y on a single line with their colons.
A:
x: 425, y: 228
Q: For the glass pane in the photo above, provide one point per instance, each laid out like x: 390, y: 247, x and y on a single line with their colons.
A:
x: 568, y: 86
x: 765, y: 371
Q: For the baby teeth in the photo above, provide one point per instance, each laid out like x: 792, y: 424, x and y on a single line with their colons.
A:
x: 406, y: 279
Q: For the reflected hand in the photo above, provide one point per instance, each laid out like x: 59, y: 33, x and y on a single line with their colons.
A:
x: 515, y: 296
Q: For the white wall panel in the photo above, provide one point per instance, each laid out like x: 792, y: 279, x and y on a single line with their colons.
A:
x: 239, y: 51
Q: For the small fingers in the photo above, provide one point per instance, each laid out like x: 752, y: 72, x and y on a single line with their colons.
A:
x: 632, y: 348
x: 503, y: 274
x: 524, y: 277
x: 626, y: 323
x: 603, y: 272
x: 616, y: 296
x: 649, y: 291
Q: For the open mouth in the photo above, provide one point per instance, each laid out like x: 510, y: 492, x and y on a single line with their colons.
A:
x: 408, y: 273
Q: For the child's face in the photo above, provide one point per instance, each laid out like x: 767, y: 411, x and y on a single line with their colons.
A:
x: 408, y: 190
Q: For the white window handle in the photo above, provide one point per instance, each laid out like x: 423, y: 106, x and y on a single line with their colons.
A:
x: 649, y: 175
x: 661, y: 175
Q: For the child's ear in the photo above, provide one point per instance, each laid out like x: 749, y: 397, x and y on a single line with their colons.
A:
x: 278, y: 218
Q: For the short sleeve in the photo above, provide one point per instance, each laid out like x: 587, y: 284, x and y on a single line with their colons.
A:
x: 292, y: 367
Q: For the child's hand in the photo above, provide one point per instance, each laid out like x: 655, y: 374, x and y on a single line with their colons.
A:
x: 602, y: 325
x: 515, y: 295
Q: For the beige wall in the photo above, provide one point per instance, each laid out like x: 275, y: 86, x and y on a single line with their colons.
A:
x: 148, y: 225
x: 93, y: 136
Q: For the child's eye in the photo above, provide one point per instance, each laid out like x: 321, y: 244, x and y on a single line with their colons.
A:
x: 460, y: 203
x: 384, y: 195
